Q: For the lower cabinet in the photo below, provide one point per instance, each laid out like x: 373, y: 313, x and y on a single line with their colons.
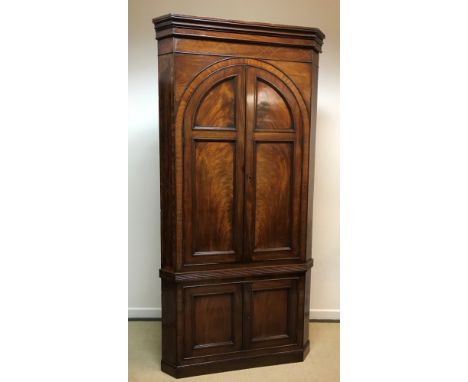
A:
x: 245, y: 315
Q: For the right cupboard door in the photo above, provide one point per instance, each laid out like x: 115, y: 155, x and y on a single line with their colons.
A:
x: 270, y: 313
x: 272, y: 168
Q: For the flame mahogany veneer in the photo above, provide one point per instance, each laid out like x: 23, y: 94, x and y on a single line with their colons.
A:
x: 237, y: 106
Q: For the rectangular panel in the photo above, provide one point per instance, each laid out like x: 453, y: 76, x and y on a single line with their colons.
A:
x: 218, y: 329
x: 213, y: 197
x: 213, y: 319
x: 217, y: 109
x: 271, y: 313
x: 272, y: 305
x: 273, y: 194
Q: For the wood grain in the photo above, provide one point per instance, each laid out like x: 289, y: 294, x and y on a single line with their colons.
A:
x: 272, y: 112
x: 271, y: 307
x: 270, y: 314
x: 300, y: 74
x: 273, y: 204
x: 227, y: 48
x: 212, y: 319
x: 187, y: 67
x: 218, y: 107
x: 213, y: 165
x: 273, y: 162
x: 213, y: 198
x: 167, y: 165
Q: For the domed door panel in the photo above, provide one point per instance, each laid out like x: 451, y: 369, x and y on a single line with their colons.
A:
x: 271, y: 109
x: 213, y: 169
x: 273, y: 168
x: 217, y: 109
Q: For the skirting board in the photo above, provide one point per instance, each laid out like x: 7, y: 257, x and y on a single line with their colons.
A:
x: 324, y: 314
x: 315, y: 314
x: 144, y: 312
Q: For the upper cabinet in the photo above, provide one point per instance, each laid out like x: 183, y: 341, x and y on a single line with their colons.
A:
x: 236, y: 107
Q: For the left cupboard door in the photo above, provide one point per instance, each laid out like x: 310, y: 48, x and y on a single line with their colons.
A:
x: 214, y: 129
x: 212, y: 319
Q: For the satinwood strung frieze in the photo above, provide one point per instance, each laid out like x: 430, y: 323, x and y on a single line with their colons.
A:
x: 237, y: 137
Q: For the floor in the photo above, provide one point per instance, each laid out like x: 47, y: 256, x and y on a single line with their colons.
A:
x: 321, y: 365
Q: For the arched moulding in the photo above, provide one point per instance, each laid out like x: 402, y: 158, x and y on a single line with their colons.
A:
x: 225, y: 63
x: 196, y: 94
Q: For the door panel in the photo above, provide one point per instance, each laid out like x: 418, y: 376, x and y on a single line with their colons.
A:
x: 273, y: 175
x: 213, y: 169
x: 270, y: 313
x: 218, y: 107
x: 271, y: 304
x: 213, y: 319
x: 213, y: 197
x: 273, y: 168
x: 272, y: 111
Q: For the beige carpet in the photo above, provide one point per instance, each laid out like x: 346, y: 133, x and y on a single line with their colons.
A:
x: 321, y: 365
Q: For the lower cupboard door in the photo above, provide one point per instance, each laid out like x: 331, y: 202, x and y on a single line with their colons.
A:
x: 213, y: 319
x: 270, y: 313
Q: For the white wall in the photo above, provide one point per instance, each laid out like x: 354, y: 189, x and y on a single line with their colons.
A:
x: 143, y: 204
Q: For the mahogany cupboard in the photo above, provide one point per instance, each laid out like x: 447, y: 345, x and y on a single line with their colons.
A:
x: 237, y: 131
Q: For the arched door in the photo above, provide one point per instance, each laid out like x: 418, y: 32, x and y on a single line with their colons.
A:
x: 242, y: 152
x: 273, y: 168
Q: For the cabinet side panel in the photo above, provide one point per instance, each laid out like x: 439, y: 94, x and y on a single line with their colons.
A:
x: 167, y: 160
x: 311, y: 171
x: 169, y: 322
x: 310, y: 197
x: 306, y: 309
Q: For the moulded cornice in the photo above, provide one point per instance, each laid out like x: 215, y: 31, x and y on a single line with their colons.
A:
x: 210, y: 28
